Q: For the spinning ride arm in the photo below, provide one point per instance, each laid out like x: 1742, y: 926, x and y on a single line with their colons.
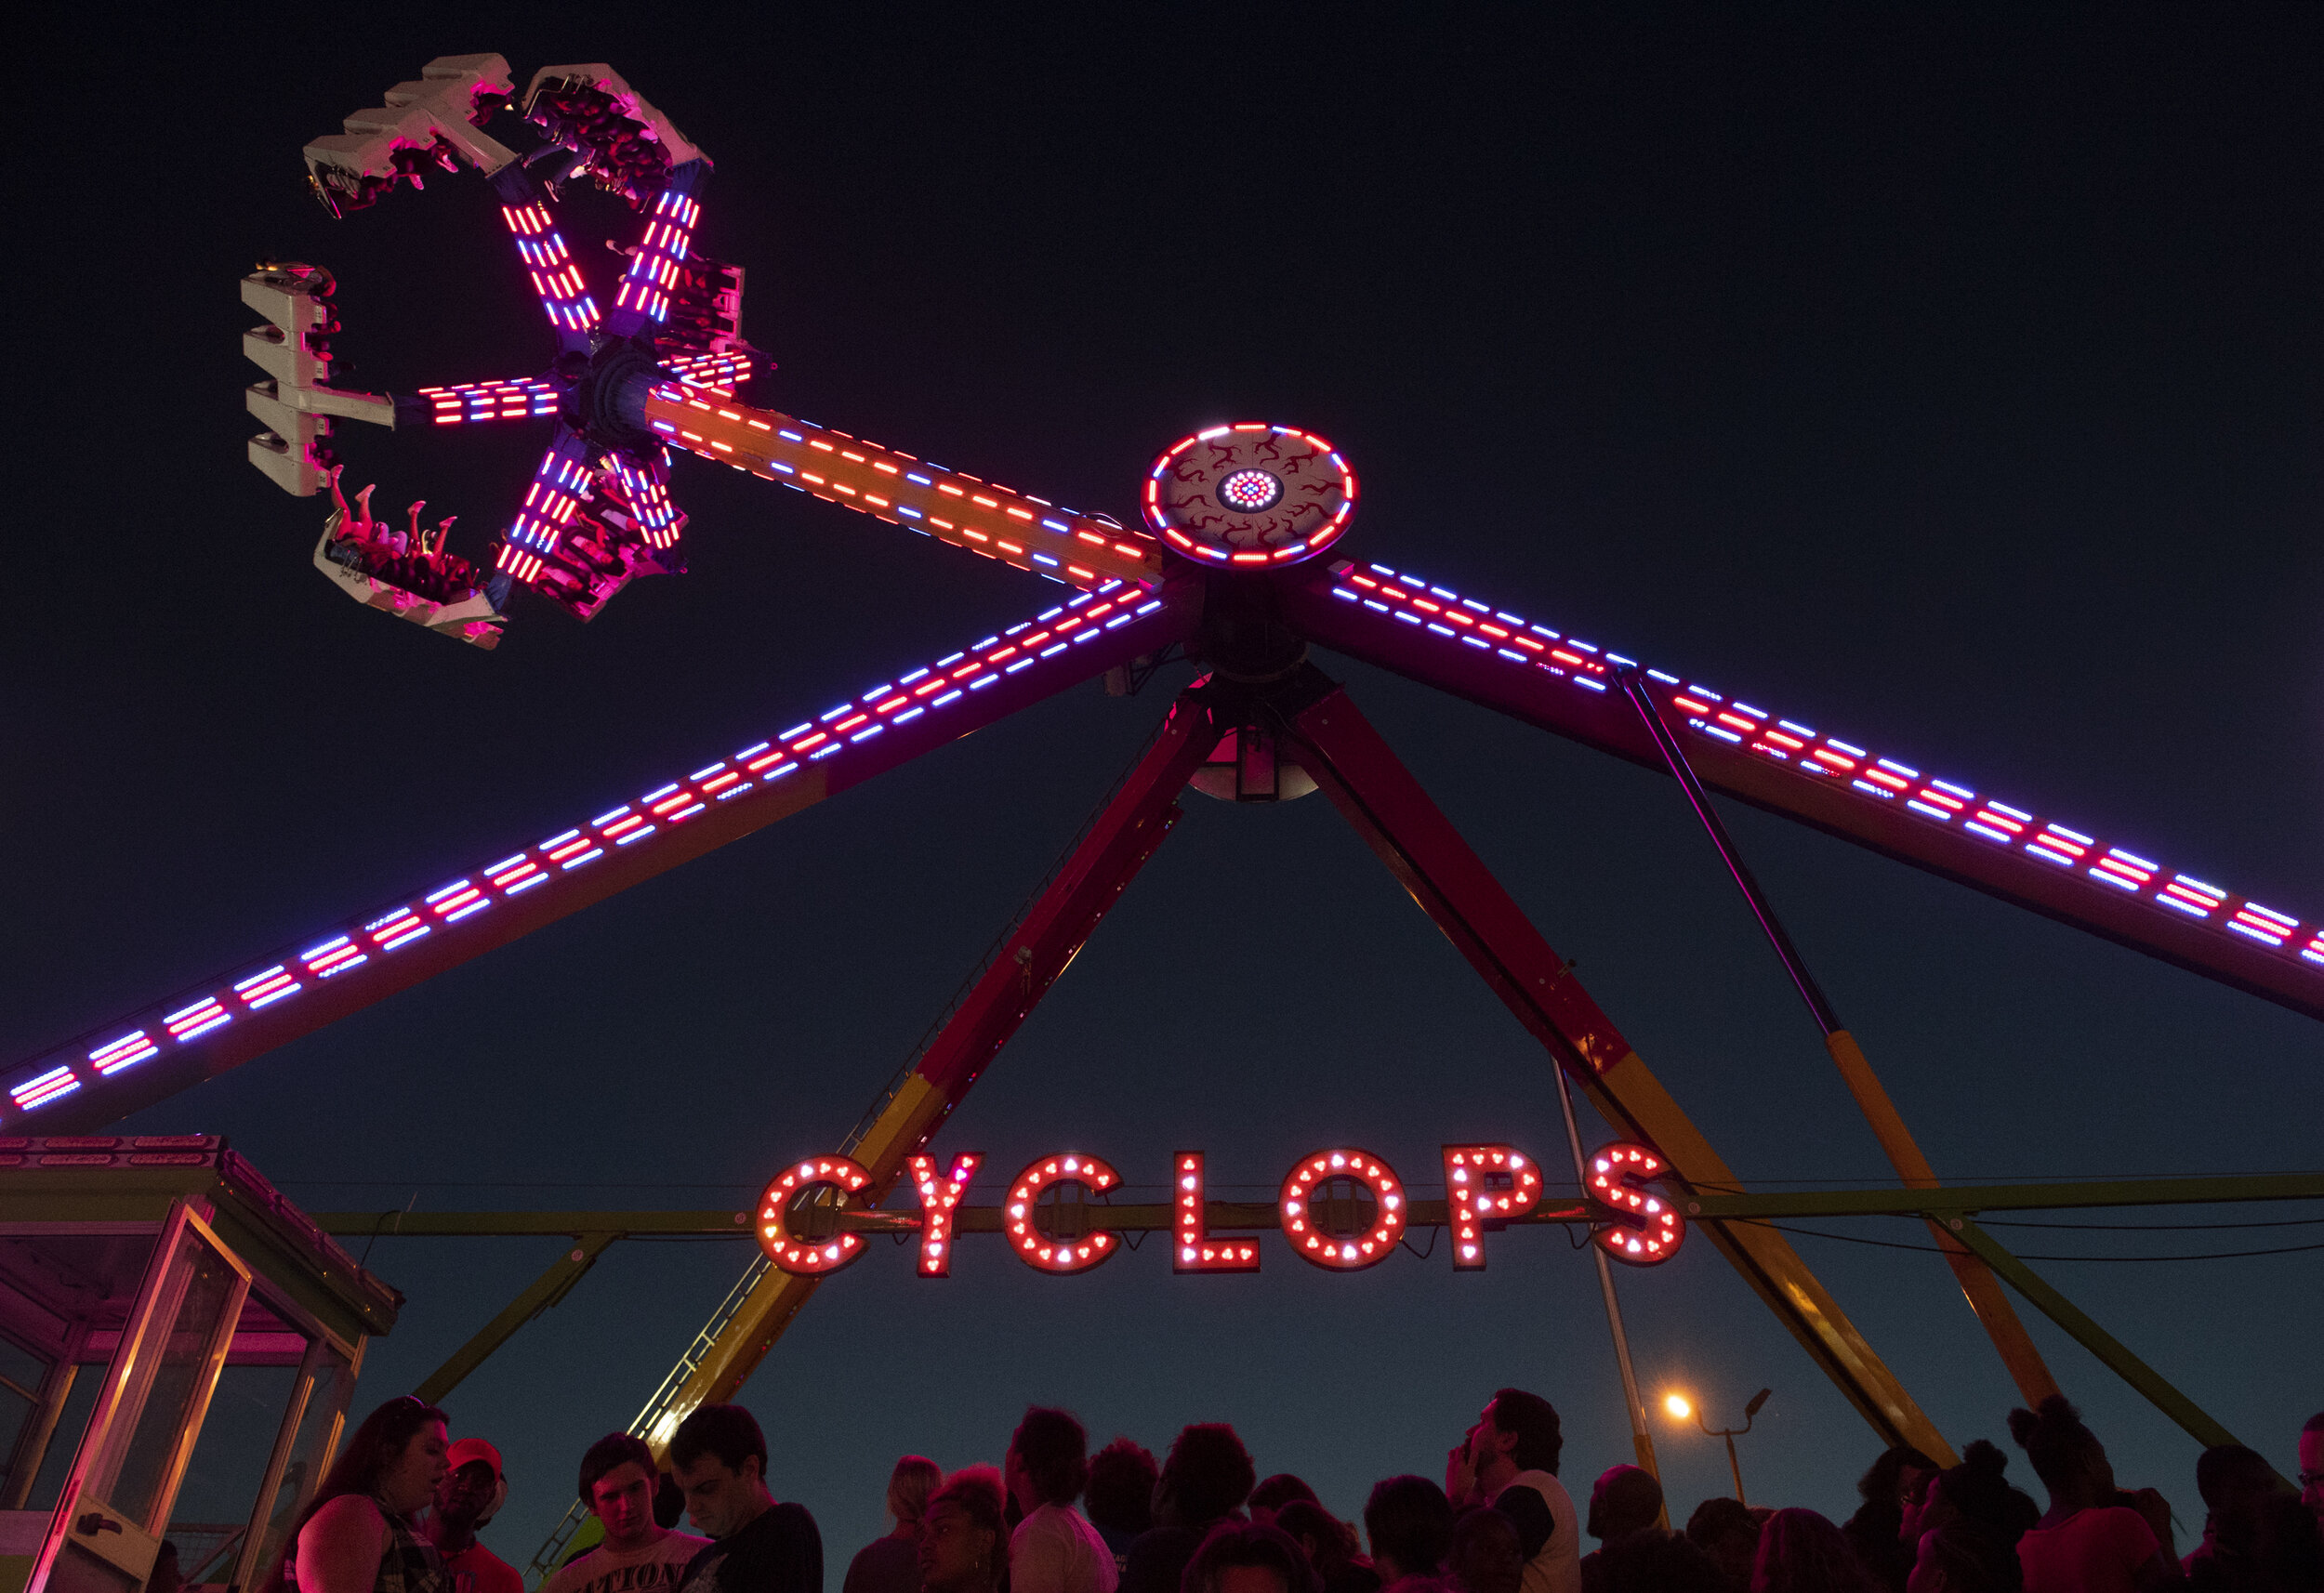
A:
x: 152, y: 1053
x: 1532, y: 673
x: 1032, y: 533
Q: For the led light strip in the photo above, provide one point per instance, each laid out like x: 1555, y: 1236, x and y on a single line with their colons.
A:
x: 364, y: 943
x: 653, y: 272
x: 658, y: 520
x: 549, y: 263
x: 559, y: 484
x: 491, y: 400
x: 1032, y: 533
x: 1521, y: 644
x: 718, y: 374
x: 535, y: 398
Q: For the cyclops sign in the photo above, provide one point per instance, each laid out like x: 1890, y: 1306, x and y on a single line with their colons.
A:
x: 1342, y: 1209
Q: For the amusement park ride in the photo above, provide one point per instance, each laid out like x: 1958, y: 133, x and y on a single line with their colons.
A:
x: 1235, y: 563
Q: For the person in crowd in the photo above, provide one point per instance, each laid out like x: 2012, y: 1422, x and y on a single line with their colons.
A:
x: 1802, y: 1552
x: 1897, y: 1482
x: 1957, y: 1559
x: 639, y: 1554
x: 2312, y: 1463
x: 1275, y: 1491
x: 1053, y: 1549
x: 166, y: 1576
x: 1625, y: 1503
x: 1205, y: 1480
x: 1654, y: 1562
x: 1981, y: 1518
x: 1120, y: 1495
x: 1329, y: 1544
x: 758, y: 1546
x: 964, y: 1543
x: 1409, y: 1522
x: 469, y: 1496
x: 891, y: 1563
x: 1727, y: 1533
x: 1486, y: 1555
x: 1509, y: 1461
x: 1963, y: 1531
x: 358, y: 1533
x: 1237, y: 1557
x: 2095, y: 1539
x: 2260, y: 1536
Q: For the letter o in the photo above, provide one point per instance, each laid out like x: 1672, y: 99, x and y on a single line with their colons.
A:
x: 1334, y: 1252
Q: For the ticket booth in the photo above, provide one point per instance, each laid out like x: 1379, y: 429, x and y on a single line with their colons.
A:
x: 178, y: 1344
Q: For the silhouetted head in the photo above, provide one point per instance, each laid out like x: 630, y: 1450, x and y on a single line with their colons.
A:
x: 1802, y: 1552
x: 1890, y: 1477
x: 1626, y: 1500
x: 1275, y: 1491
x: 1411, y: 1524
x: 1120, y: 1495
x: 1486, y: 1555
x: 2066, y: 1454
x: 1207, y: 1476
x: 1239, y: 1558
x: 1047, y: 1458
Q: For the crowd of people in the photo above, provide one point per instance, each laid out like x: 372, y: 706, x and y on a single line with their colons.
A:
x: 399, y: 1511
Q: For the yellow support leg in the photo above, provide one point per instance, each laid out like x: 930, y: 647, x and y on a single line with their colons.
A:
x: 1977, y: 1282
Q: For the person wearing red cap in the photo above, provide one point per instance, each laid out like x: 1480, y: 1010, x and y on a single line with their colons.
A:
x: 470, y: 1494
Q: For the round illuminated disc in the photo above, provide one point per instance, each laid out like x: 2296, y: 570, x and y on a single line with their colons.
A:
x: 1250, y: 494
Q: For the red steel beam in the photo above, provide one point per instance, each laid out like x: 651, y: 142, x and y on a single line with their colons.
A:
x: 1389, y: 809
x: 146, y: 1055
x: 1042, y: 947
x: 1533, y: 673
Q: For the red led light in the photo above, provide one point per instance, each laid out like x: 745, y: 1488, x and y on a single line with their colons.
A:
x: 802, y: 1257
x: 1342, y: 1253
x: 1193, y: 1250
x: 1486, y: 1185
x: 1055, y: 1253
x: 1646, y: 1229
x: 940, y: 1198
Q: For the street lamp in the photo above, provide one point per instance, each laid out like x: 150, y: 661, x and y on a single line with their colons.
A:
x: 1680, y: 1408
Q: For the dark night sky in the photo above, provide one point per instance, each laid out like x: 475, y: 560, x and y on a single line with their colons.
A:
x: 1948, y: 381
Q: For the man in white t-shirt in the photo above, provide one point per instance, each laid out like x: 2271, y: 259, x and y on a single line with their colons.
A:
x: 1053, y: 1550
x: 1509, y: 1461
x: 639, y: 1555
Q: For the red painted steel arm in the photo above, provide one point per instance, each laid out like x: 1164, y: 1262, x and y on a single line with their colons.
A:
x: 1378, y: 796
x: 1037, y: 950
x: 1032, y: 533
x: 198, y: 1033
x: 1490, y: 656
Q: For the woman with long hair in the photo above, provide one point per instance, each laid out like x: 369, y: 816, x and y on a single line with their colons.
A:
x: 891, y: 1564
x: 357, y: 1536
